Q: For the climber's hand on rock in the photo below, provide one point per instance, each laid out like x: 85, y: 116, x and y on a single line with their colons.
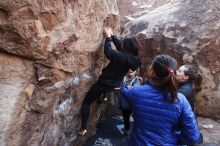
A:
x: 107, y: 32
x: 111, y: 32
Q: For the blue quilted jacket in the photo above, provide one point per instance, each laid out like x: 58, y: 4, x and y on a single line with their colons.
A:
x: 156, y: 121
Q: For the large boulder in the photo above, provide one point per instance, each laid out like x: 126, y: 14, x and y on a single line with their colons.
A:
x: 130, y: 9
x: 189, y: 31
x: 16, y: 87
x: 51, y: 54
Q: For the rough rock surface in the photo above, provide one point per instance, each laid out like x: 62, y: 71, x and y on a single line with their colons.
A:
x: 189, y: 31
x: 131, y: 9
x: 16, y: 87
x: 210, y: 130
x: 51, y: 54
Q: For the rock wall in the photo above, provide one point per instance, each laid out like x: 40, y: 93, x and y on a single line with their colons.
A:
x: 51, y: 53
x: 15, y: 75
x: 189, y: 31
x: 131, y: 9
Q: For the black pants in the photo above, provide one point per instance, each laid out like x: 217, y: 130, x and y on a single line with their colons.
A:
x: 126, y: 113
x: 94, y: 93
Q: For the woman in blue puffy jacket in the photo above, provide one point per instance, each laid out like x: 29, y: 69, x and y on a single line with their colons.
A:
x: 159, y: 111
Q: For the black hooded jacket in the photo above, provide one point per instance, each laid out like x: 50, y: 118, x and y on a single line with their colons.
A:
x: 120, y: 62
x: 186, y: 89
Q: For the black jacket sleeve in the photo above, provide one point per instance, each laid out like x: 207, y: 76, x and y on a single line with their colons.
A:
x: 187, y: 91
x: 109, y: 52
x: 117, y: 42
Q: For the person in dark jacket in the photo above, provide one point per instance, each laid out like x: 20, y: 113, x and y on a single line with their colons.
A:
x: 130, y: 80
x: 189, y: 82
x: 123, y: 58
x: 159, y: 111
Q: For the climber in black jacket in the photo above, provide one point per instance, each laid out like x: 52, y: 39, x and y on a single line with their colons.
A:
x: 123, y: 58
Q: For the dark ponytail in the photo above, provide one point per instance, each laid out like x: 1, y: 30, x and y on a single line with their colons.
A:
x: 163, y: 67
x: 194, y: 77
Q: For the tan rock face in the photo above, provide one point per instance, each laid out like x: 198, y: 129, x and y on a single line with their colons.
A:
x: 41, y: 25
x: 210, y: 130
x: 56, y: 53
x: 189, y: 31
x: 15, y: 75
x: 131, y: 9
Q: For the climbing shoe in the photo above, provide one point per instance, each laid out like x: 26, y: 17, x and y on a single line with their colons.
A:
x: 82, y: 132
x: 105, y: 99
